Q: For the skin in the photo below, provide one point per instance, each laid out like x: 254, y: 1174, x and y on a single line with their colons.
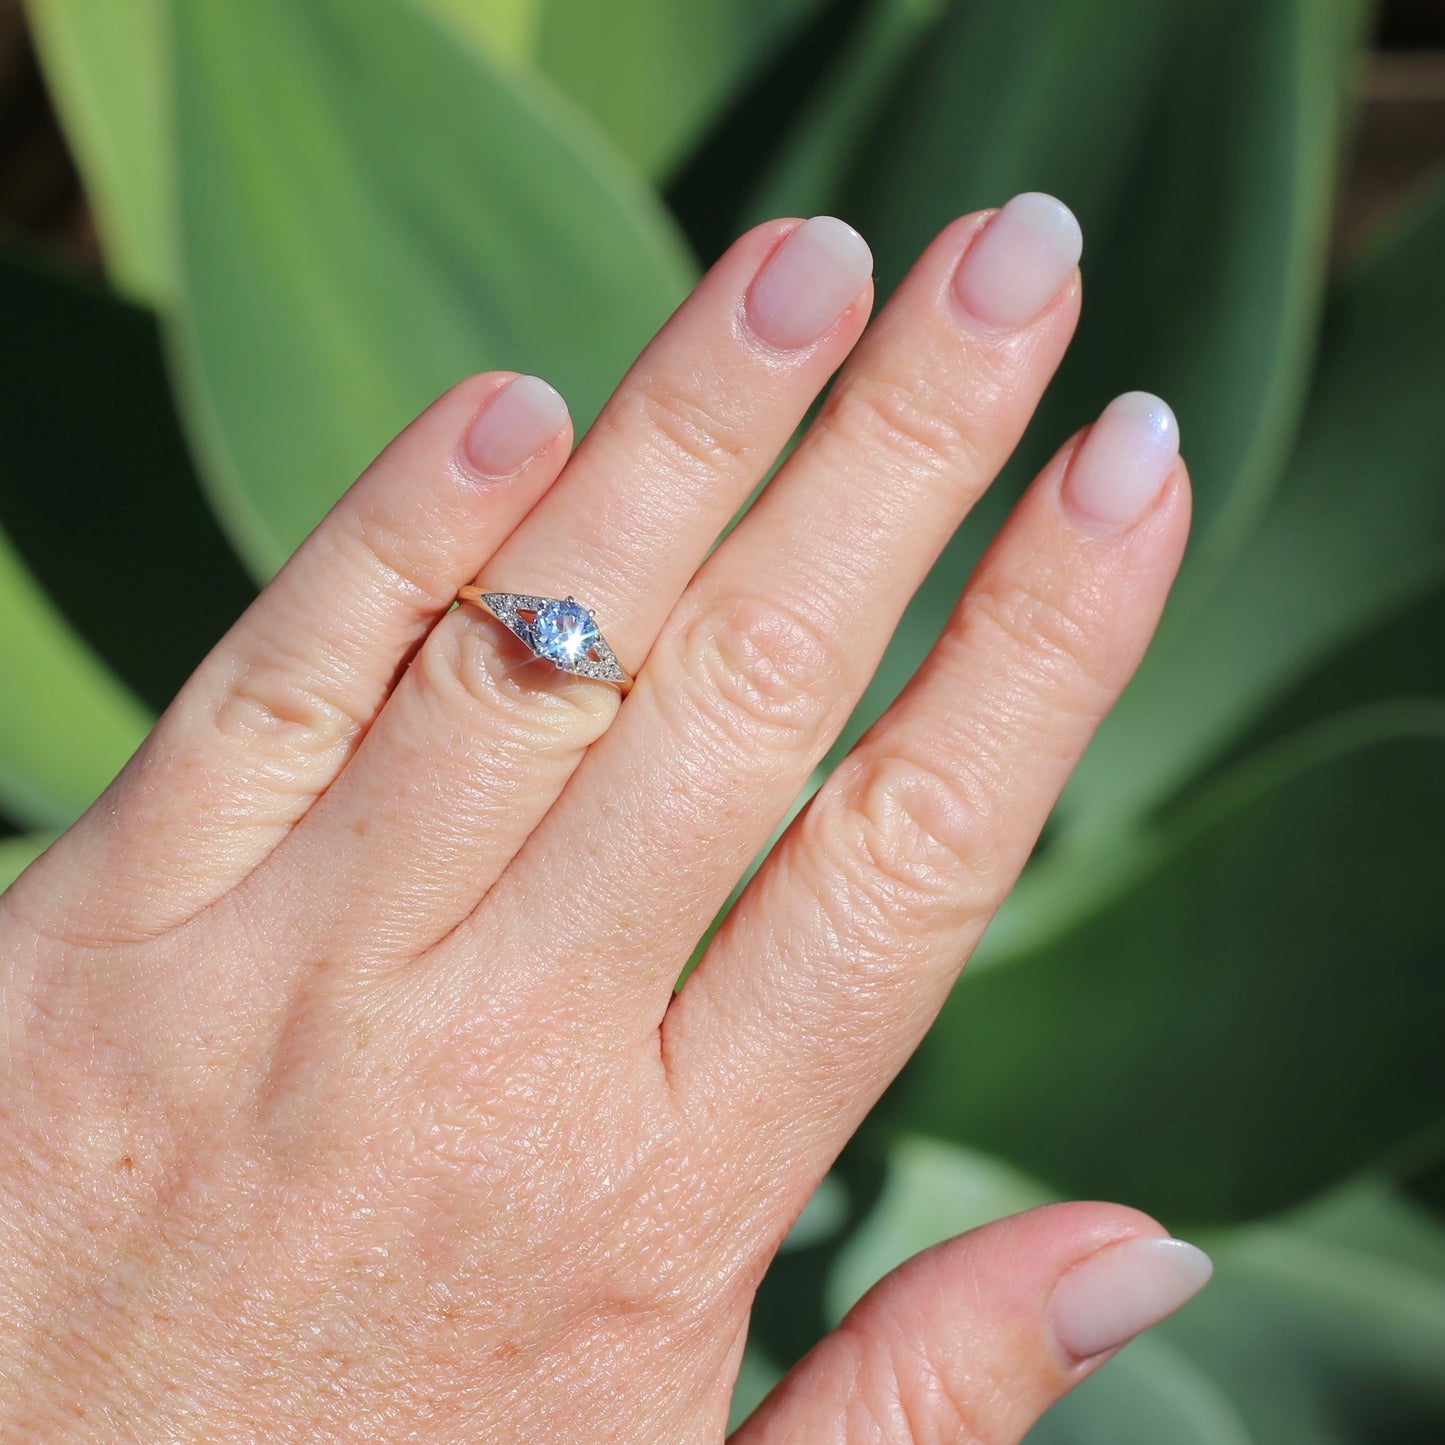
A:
x: 323, y: 1118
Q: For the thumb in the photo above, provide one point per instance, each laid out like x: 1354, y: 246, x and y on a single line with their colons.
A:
x: 972, y: 1340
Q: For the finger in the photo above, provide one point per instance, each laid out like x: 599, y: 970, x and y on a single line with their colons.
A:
x: 824, y: 977
x: 472, y: 749
x: 972, y: 1340
x: 764, y: 658
x: 270, y: 717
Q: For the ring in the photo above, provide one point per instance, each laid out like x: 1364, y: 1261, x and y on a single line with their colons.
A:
x: 560, y: 630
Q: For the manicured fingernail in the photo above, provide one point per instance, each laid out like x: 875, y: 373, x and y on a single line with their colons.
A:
x: 1119, y: 1292
x: 517, y: 422
x: 808, y: 282
x: 1121, y: 465
x: 1016, y: 265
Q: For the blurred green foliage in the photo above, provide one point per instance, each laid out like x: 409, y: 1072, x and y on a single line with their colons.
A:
x: 1217, y: 993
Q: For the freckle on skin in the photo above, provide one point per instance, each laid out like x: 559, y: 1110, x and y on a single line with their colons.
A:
x: 359, y: 827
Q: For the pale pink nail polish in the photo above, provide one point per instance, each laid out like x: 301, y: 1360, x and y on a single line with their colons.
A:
x: 808, y: 282
x: 515, y: 424
x: 1123, y: 462
x: 1018, y: 262
x: 1108, y: 1298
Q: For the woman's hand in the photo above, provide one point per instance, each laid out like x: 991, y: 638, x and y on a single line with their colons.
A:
x: 345, y: 1094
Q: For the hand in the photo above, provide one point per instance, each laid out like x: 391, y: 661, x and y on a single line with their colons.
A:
x: 346, y: 1094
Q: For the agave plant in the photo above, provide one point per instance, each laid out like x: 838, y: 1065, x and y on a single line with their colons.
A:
x: 1217, y: 993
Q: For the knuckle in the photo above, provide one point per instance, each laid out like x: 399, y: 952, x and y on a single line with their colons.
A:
x: 694, y: 435
x: 757, y: 674
x: 935, y: 1403
x: 381, y: 552
x: 1060, y: 649
x: 907, y: 1390
x: 279, y: 701
x: 912, y: 844
x: 463, y: 671
x: 909, y: 417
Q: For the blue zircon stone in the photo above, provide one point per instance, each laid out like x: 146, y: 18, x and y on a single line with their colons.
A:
x: 563, y: 632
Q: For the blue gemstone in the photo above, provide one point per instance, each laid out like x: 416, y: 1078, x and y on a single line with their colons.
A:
x: 563, y: 632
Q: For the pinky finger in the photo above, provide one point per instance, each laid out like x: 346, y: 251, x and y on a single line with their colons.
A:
x: 272, y: 714
x: 975, y: 1338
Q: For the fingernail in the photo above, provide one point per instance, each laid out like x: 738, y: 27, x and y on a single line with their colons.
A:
x: 1016, y: 265
x: 516, y: 423
x: 1119, y: 1292
x: 1123, y: 462
x: 808, y: 282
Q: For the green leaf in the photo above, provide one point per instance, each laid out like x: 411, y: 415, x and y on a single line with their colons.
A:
x: 1208, y: 283
x: 152, y: 606
x: 1212, y: 215
x: 807, y: 174
x: 506, y: 28
x: 105, y: 66
x: 370, y: 211
x: 653, y: 72
x: 1148, y: 1393
x: 67, y: 725
x: 90, y: 630
x: 1399, y: 657
x: 756, y: 1377
x: 1318, y: 1335
x: 1426, y: 1184
x: 1369, y: 1215
x: 17, y: 854
x: 935, y: 1191
x: 1357, y: 531
x: 1323, y: 1328
x: 997, y: 99
x: 1247, y: 1010
x: 823, y: 1217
